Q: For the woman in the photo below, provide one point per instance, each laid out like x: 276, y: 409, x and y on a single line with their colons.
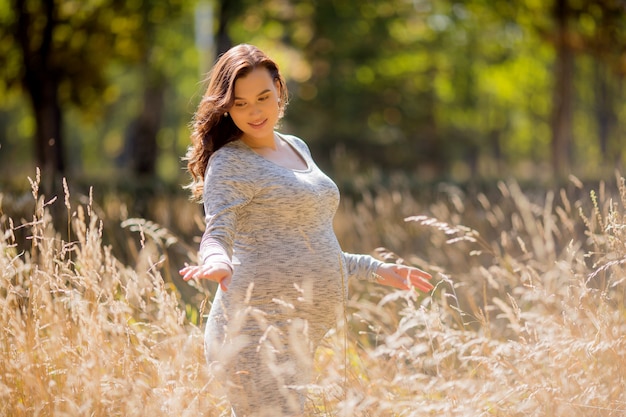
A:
x: 269, y: 240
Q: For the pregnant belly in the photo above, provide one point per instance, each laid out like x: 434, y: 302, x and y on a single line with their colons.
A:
x: 292, y: 277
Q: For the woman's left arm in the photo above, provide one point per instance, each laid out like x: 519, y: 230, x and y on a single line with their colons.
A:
x: 403, y: 277
x: 365, y: 267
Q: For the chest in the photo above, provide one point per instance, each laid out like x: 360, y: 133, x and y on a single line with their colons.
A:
x: 310, y: 196
x: 284, y: 156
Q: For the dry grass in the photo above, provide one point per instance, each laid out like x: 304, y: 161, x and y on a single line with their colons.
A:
x: 528, y: 317
x: 85, y: 335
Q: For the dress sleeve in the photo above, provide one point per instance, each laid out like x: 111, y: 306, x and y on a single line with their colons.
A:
x: 361, y: 267
x: 226, y: 191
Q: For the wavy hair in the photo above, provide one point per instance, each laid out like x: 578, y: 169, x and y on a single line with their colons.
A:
x: 210, y: 127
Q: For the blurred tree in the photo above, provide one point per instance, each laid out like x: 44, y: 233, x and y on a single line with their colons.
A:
x: 58, y: 51
x: 602, y: 24
x: 370, y: 87
x: 596, y: 28
x: 141, y: 148
x: 563, y: 93
x: 34, y: 28
x: 431, y: 84
x: 227, y: 12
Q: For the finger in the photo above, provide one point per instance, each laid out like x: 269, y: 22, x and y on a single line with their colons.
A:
x: 186, y: 269
x: 422, y: 285
x: 419, y: 279
x: 423, y: 274
x: 189, y: 273
x: 418, y: 272
x: 422, y: 280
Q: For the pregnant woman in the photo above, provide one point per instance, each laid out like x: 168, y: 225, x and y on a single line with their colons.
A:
x: 269, y: 240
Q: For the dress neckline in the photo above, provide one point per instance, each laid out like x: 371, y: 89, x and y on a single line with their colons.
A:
x: 290, y: 144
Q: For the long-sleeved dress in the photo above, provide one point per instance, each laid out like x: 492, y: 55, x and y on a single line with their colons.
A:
x: 274, y: 227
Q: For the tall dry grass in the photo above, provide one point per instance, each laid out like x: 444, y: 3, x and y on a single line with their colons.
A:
x: 527, y: 319
x: 84, y: 335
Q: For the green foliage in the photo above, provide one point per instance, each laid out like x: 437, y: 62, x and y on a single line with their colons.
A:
x: 428, y: 87
x: 458, y: 89
x: 97, y: 52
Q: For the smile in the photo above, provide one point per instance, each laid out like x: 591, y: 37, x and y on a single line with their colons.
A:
x: 258, y: 124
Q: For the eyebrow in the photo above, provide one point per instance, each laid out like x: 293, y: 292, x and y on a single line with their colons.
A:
x: 260, y: 94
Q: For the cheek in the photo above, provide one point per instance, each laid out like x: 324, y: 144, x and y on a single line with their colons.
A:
x: 271, y: 106
x: 237, y: 118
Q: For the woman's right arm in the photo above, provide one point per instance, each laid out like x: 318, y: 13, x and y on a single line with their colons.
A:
x: 226, y: 191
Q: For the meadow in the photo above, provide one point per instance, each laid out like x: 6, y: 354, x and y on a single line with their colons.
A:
x: 528, y: 317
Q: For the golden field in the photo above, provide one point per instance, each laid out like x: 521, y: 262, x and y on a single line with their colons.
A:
x: 528, y: 317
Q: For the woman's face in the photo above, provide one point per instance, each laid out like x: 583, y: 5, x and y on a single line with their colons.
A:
x: 255, y: 109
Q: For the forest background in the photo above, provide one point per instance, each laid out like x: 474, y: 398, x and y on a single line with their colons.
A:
x: 103, y: 91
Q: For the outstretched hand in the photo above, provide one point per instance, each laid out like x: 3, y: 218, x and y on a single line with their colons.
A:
x: 404, y: 277
x: 217, y: 272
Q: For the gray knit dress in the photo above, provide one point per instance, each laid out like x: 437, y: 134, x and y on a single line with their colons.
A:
x: 274, y: 227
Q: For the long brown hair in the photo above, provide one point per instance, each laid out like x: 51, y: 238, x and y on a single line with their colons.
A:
x: 211, y: 128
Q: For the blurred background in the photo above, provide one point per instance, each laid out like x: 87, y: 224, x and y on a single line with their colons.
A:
x: 102, y: 92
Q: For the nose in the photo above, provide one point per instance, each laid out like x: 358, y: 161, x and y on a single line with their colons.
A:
x: 255, y: 109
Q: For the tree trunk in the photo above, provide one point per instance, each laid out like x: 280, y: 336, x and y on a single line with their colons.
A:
x: 226, y: 13
x: 49, y: 137
x: 143, y: 135
x: 606, y: 117
x: 563, y: 93
x: 41, y: 83
x: 620, y: 128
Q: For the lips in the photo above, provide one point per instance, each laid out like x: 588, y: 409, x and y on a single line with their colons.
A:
x: 257, y: 125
